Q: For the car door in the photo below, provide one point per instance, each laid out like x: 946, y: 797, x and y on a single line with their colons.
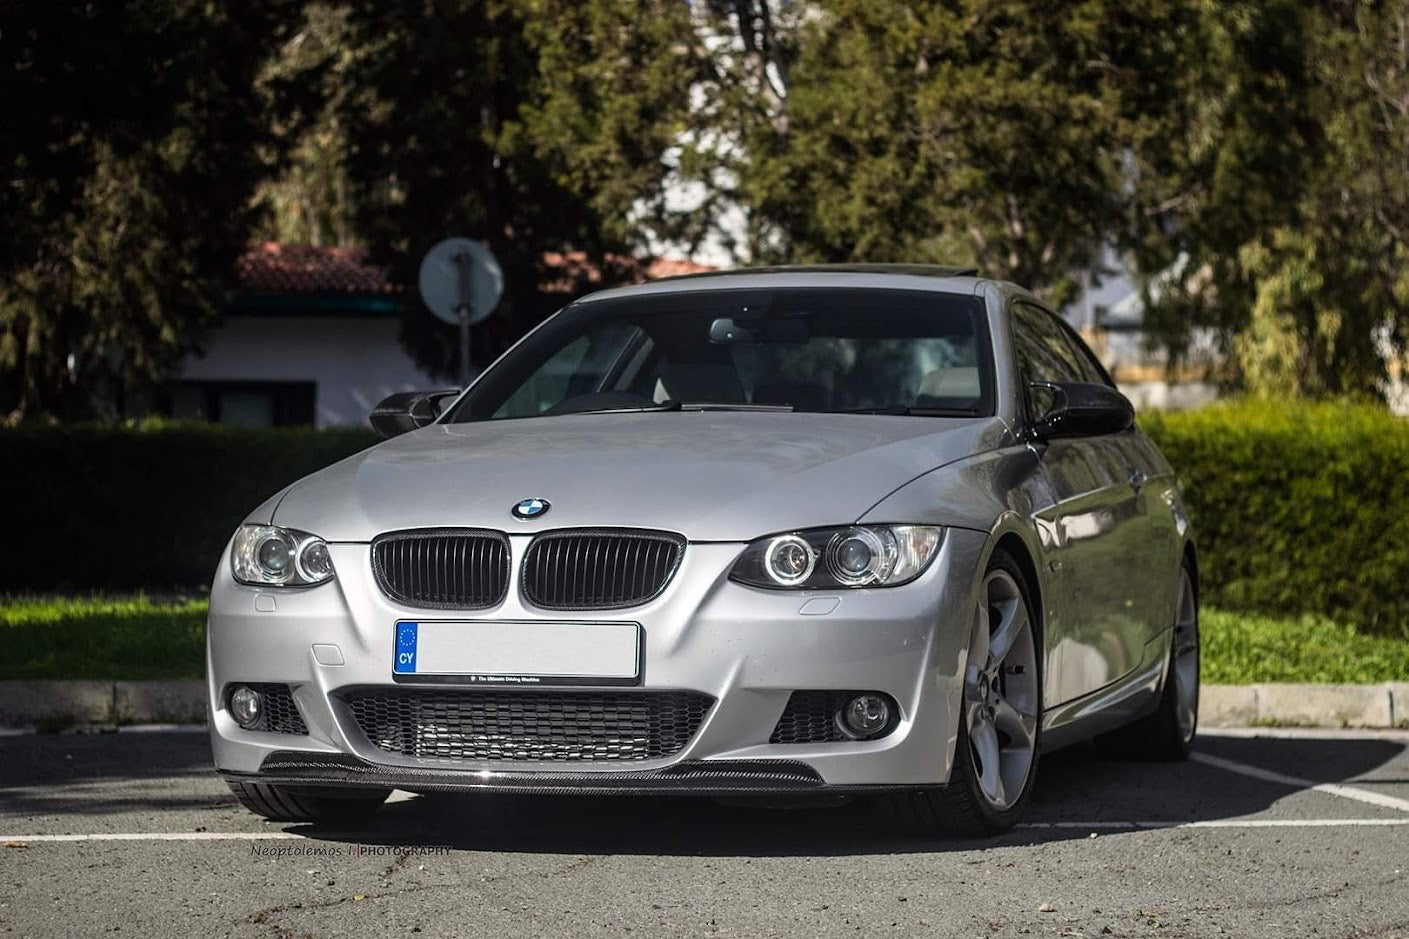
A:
x: 1098, y: 537
x: 1154, y: 536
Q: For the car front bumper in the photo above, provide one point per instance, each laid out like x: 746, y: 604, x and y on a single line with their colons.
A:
x: 748, y: 649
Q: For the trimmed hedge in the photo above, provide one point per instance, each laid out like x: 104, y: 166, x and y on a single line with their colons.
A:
x: 150, y: 506
x: 1297, y: 508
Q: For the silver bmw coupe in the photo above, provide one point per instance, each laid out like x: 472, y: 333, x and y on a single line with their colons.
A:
x: 882, y: 530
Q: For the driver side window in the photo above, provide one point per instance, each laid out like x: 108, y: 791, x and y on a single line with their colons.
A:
x: 1044, y: 354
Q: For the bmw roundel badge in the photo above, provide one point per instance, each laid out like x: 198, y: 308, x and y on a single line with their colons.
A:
x: 531, y: 508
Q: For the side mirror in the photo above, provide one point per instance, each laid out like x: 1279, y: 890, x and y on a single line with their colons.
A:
x: 407, y: 411
x: 1081, y: 409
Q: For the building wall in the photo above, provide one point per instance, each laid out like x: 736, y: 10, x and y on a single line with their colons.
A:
x: 354, y: 361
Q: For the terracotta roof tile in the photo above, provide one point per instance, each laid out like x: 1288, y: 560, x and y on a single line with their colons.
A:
x: 271, y: 267
x: 279, y: 268
x: 573, y: 272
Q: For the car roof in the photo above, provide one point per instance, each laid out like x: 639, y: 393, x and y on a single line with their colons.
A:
x: 935, y: 277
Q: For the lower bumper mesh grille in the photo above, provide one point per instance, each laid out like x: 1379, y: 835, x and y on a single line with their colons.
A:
x: 811, y: 717
x: 528, y: 726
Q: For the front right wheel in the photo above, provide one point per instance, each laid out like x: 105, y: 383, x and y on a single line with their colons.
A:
x: 1168, y: 732
x: 995, y: 758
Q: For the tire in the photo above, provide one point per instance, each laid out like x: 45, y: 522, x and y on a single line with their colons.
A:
x: 1168, y: 733
x: 286, y: 804
x: 970, y: 804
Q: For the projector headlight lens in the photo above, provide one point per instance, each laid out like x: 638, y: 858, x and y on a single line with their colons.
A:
x: 789, y: 560
x: 832, y: 558
x: 270, y: 556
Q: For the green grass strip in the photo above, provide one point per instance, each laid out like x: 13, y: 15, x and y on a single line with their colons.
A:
x: 1244, y: 648
x: 102, y: 638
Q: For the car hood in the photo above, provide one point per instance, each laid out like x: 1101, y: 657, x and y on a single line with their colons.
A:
x: 712, y: 476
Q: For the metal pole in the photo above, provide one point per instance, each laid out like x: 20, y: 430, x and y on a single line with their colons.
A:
x: 466, y: 265
x: 464, y: 312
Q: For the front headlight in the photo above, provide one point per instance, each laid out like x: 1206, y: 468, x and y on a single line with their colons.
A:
x: 829, y: 558
x: 270, y: 556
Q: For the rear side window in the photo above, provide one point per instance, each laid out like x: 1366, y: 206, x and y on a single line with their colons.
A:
x: 1048, y: 350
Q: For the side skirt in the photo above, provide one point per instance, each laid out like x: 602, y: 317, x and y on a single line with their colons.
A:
x: 1126, y: 700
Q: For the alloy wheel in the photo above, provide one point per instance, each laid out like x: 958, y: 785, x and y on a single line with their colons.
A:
x: 1001, y: 696
x: 1185, y: 667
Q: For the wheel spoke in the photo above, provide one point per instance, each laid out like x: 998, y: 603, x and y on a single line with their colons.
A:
x: 984, y: 740
x: 1020, y: 728
x: 1010, y: 627
x: 978, y: 641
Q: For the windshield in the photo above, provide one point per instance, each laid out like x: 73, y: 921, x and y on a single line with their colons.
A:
x: 881, y: 351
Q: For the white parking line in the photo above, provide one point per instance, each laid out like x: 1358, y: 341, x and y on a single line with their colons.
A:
x: 1305, y: 733
x: 1231, y: 823
x: 1367, y: 796
x: 10, y: 840
x: 158, y: 836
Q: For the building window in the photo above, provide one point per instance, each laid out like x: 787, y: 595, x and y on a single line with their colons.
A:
x: 244, y: 403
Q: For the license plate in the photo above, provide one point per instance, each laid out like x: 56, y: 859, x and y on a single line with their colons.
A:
x: 518, y: 653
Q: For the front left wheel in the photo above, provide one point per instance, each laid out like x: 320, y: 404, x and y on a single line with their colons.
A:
x: 287, y: 804
x: 995, y: 758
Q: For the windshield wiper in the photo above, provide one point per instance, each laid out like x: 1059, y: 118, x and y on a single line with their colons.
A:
x: 736, y: 406
x: 670, y: 404
x: 903, y: 409
x: 666, y: 405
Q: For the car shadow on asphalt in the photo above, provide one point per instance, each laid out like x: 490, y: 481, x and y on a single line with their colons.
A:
x: 1080, y: 792
x: 105, y: 774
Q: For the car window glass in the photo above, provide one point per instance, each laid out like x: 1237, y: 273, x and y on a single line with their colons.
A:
x: 835, y: 372
x: 595, y: 361
x: 1085, y: 360
x: 1044, y: 351
x: 834, y: 350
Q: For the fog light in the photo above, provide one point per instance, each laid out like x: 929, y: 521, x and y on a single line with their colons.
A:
x: 246, y: 706
x: 865, y: 715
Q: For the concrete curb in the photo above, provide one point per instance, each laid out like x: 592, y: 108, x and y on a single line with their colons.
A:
x: 59, y: 705
x: 1286, y: 705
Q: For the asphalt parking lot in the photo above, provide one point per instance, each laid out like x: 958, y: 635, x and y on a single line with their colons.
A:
x: 1298, y: 834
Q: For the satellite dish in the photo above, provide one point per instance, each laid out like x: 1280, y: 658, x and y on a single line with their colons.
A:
x: 461, y: 279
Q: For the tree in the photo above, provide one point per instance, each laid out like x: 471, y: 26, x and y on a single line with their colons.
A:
x: 135, y: 145
x: 987, y: 132
x: 1276, y: 190
x: 436, y: 146
x: 307, y: 198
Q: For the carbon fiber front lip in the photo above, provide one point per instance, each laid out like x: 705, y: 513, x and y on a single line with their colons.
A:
x: 293, y: 768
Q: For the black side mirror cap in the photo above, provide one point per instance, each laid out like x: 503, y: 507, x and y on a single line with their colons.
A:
x: 406, y: 411
x: 1082, y: 409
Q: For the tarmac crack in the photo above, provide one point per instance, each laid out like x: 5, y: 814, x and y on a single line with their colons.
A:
x: 264, y: 917
x: 1289, y: 902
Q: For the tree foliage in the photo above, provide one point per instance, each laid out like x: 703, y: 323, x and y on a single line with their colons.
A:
x: 988, y: 132
x: 135, y: 141
x: 985, y: 133
x: 437, y: 106
x: 1276, y: 191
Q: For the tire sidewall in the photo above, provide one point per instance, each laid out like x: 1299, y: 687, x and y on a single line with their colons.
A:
x: 967, y: 772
